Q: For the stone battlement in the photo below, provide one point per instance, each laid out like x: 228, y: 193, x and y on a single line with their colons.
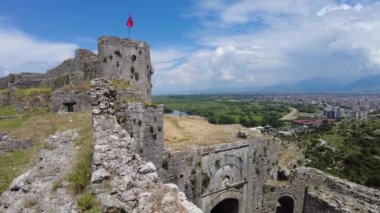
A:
x: 116, y: 41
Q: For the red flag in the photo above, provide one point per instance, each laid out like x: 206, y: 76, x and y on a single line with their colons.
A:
x: 130, y: 21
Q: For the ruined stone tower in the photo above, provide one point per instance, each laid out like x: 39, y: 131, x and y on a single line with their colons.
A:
x: 129, y: 61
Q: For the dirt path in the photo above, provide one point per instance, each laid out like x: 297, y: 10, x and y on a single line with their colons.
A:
x: 43, y: 187
x: 291, y: 116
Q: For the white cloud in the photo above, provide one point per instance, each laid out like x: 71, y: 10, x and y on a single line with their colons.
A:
x: 332, y: 8
x: 262, y: 42
x: 21, y: 52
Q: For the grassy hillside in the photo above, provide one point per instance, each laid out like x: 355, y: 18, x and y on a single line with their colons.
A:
x: 352, y: 151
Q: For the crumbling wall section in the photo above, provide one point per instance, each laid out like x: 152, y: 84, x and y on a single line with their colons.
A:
x: 121, y: 180
x: 83, y: 67
x: 22, y: 80
x: 86, y: 66
x: 314, y: 191
x: 145, y: 125
x: 61, y: 74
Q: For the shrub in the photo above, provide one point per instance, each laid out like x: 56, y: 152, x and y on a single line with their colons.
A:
x: 205, y: 181
x: 257, y: 170
x: 117, y: 52
x: 150, y: 104
x: 119, y: 84
x: 193, y: 171
x: 217, y: 163
x: 373, y: 180
x: 87, y: 202
x: 56, y: 185
x: 165, y: 164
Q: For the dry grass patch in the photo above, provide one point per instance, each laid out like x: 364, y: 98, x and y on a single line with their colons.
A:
x: 184, y: 132
x: 288, y: 155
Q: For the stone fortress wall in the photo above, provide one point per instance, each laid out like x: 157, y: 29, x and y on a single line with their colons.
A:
x: 122, y: 59
x: 22, y: 80
x: 243, y: 175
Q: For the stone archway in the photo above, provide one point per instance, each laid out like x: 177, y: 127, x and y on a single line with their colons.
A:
x: 229, y: 205
x: 212, y: 201
x: 285, y: 205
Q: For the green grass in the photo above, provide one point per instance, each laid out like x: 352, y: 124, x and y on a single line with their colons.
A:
x: 27, y: 94
x: 4, y: 91
x: 56, y: 185
x: 87, y: 203
x: 6, y: 110
x: 219, y: 109
x: 80, y: 176
x: 38, y: 128
x: 9, y: 124
x: 12, y: 165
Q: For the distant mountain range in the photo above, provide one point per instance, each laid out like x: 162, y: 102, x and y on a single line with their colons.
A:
x: 368, y: 84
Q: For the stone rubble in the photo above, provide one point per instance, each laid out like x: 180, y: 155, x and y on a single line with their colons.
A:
x: 8, y: 144
x: 33, y: 190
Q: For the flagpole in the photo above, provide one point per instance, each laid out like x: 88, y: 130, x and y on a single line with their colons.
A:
x: 129, y: 25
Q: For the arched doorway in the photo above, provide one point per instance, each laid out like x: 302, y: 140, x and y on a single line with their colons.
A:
x: 285, y: 205
x: 229, y: 205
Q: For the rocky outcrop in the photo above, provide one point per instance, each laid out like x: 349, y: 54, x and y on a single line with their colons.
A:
x: 42, y: 188
x: 121, y: 180
x: 337, y: 195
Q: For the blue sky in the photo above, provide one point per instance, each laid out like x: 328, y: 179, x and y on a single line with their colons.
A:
x: 203, y: 44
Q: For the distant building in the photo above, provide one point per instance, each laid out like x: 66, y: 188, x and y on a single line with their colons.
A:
x: 332, y: 112
x: 308, y: 123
